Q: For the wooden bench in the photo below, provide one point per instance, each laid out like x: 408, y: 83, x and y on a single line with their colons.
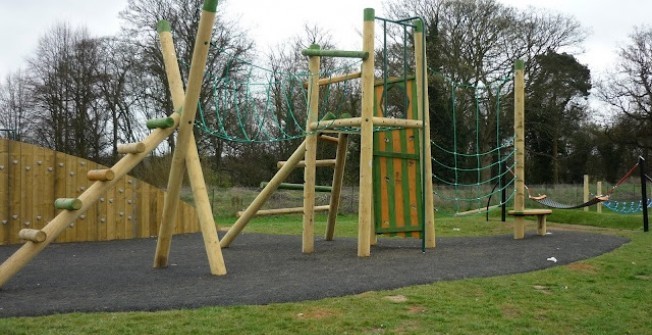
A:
x: 519, y: 224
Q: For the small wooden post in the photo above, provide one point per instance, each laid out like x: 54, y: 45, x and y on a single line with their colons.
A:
x: 338, y: 180
x: 424, y: 112
x: 365, y: 205
x: 186, y: 125
x: 519, y: 143
x: 598, y: 192
x: 586, y: 191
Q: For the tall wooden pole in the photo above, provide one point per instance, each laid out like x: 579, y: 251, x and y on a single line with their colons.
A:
x: 365, y: 209
x: 186, y: 125
x: 424, y: 113
x: 519, y: 142
x: 309, y: 172
x: 195, y: 173
x: 598, y: 192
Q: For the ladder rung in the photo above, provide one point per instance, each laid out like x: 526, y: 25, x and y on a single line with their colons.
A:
x: 327, y: 138
x: 131, y: 148
x: 302, y: 164
x: 34, y: 235
x: 100, y: 175
x: 299, y: 187
x: 70, y: 204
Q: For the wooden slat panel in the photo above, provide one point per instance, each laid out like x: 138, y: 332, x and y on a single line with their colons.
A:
x: 14, y: 192
x: 34, y: 177
x: 4, y: 194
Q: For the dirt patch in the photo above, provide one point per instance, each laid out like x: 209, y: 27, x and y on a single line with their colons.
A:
x: 510, y: 311
x: 416, y: 309
x: 396, y: 298
x: 582, y: 267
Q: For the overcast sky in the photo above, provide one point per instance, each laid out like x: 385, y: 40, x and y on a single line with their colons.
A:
x: 22, y: 22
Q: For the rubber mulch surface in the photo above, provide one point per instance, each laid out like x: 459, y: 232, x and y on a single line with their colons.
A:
x: 263, y: 269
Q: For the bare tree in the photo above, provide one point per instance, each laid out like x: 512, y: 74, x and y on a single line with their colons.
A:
x: 64, y: 76
x: 15, y: 107
x: 629, y: 90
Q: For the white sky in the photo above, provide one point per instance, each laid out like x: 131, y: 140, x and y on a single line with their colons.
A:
x: 23, y: 22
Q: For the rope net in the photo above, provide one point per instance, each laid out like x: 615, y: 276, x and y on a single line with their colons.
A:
x: 253, y: 104
x: 471, y: 162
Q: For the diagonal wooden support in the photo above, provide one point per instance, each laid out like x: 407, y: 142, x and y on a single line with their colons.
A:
x: 184, y: 137
x: 193, y: 165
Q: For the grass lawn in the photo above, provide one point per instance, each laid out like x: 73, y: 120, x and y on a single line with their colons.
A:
x: 609, y: 294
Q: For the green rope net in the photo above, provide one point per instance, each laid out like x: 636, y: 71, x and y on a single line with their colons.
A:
x: 257, y: 104
x: 473, y: 165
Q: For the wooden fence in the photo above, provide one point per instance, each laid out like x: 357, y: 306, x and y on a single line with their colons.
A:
x: 32, y: 177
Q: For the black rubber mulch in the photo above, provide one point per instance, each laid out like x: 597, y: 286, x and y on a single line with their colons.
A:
x: 263, y: 269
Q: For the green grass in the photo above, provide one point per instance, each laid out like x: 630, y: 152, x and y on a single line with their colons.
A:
x: 609, y: 294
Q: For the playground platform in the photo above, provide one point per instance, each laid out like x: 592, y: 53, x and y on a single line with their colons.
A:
x: 265, y: 269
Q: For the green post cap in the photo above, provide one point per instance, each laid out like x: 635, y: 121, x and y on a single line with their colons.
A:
x: 210, y: 6
x: 418, y: 26
x: 70, y: 204
x: 165, y: 122
x: 519, y: 64
x: 314, y: 46
x: 163, y: 26
x: 369, y: 14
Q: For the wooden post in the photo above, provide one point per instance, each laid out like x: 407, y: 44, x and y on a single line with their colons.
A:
x: 195, y: 173
x: 586, y: 191
x: 338, y: 180
x: 262, y: 197
x: 423, y: 108
x: 309, y: 173
x: 186, y: 125
x: 519, y: 143
x: 598, y: 192
x: 365, y: 209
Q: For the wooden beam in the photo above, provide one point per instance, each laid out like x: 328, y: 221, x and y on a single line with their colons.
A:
x: 262, y: 197
x: 338, y: 180
x: 365, y: 205
x: 195, y: 174
x: 423, y: 107
x: 290, y: 210
x: 186, y: 127
x: 302, y: 164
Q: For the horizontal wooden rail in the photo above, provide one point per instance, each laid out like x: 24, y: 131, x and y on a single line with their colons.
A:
x: 327, y: 138
x: 302, y: 164
x: 290, y: 210
x: 335, y: 53
x: 288, y: 186
x: 356, y: 121
x: 336, y: 79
